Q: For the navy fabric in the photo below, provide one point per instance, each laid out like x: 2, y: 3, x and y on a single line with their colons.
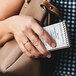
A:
x: 63, y: 62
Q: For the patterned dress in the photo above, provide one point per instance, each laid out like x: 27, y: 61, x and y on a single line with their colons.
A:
x: 63, y: 62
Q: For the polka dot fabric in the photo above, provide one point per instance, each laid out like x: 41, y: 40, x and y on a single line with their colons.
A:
x: 63, y: 62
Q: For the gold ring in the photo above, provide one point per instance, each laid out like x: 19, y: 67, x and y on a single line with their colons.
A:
x: 26, y: 42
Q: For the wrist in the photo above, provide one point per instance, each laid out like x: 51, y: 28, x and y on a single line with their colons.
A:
x: 8, y: 23
x: 5, y: 35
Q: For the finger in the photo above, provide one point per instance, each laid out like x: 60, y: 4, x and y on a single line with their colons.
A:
x: 38, y: 44
x: 43, y: 34
x: 28, y: 45
x: 23, y: 49
x: 32, y: 49
x: 30, y: 55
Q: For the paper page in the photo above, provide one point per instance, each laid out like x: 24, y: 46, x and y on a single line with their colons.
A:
x: 59, y: 33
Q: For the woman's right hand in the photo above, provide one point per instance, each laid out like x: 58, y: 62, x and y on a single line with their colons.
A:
x: 25, y: 30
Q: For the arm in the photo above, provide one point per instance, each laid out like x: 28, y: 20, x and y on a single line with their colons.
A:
x: 8, y: 8
x: 25, y: 30
x: 4, y: 32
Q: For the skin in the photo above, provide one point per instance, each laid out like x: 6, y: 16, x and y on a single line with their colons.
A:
x: 23, y: 29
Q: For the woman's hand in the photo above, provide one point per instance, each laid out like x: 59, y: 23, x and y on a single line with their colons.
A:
x: 25, y: 30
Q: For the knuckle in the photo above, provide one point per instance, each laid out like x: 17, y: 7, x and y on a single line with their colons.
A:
x: 49, y: 39
x: 23, y: 50
x: 36, y: 42
x: 23, y: 30
x: 28, y: 46
x: 42, y: 33
x: 31, y: 20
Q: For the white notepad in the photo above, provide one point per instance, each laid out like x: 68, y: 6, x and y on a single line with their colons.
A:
x: 59, y: 33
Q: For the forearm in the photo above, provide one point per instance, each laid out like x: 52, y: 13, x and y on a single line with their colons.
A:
x: 4, y: 32
x: 9, y: 8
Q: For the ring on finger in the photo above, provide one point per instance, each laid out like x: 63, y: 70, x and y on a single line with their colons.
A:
x: 26, y: 42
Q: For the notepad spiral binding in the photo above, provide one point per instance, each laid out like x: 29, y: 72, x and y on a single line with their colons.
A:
x: 66, y: 33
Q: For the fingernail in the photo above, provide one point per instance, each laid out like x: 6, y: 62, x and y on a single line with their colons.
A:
x: 53, y: 44
x: 48, y: 56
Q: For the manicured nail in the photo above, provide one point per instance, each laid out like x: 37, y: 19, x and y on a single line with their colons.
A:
x: 53, y: 44
x: 48, y: 56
